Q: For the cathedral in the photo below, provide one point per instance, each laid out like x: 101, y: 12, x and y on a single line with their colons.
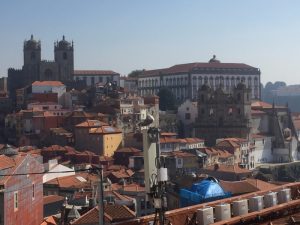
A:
x: 34, y: 68
x: 223, y: 114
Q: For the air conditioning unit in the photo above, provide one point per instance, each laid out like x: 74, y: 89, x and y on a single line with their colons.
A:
x: 270, y: 199
x: 284, y: 195
x: 223, y: 212
x: 240, y: 207
x: 205, y: 216
x: 256, y: 203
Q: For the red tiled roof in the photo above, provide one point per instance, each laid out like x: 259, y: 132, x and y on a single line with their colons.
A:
x: 184, y: 68
x: 47, y: 83
x: 180, y: 154
x: 167, y: 134
x: 128, y: 149
x: 94, y: 72
x: 52, y: 198
x: 112, y: 213
x: 6, y: 162
x: 92, y: 124
x: 73, y: 181
x: 51, y: 220
x: 245, y: 186
x: 104, y: 130
x: 227, y: 168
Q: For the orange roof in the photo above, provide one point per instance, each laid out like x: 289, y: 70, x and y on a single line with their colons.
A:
x: 227, y: 168
x: 167, y: 134
x: 51, y: 220
x: 73, y: 181
x: 184, y: 68
x: 264, y: 105
x: 112, y: 213
x: 246, y: 186
x: 6, y: 162
x: 168, y: 140
x: 52, y: 198
x: 133, y: 187
x: 128, y: 149
x: 180, y: 154
x: 92, y: 124
x: 47, y: 83
x: 104, y: 130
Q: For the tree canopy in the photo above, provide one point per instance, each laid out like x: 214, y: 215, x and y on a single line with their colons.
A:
x: 167, y: 100
x: 135, y: 73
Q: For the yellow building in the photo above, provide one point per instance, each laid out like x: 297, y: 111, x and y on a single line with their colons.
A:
x: 98, y: 137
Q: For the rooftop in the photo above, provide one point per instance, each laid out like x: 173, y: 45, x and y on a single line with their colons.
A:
x: 94, y: 72
x: 198, y: 66
x: 47, y: 83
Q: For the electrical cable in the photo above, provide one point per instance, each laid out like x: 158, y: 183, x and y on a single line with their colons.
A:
x: 23, y: 174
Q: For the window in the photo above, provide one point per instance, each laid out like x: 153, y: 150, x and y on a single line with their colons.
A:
x: 15, y: 200
x: 187, y: 116
x: 33, y: 190
x: 187, y: 108
x: 65, y: 56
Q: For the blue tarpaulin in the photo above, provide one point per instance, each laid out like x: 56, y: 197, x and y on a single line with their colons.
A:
x: 204, y: 191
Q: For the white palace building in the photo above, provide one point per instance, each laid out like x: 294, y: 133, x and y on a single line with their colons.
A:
x: 184, y: 80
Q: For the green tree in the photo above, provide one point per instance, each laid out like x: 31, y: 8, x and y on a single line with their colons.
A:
x: 135, y: 73
x: 167, y: 100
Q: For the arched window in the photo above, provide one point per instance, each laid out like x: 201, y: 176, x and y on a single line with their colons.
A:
x: 230, y: 111
x: 211, y: 111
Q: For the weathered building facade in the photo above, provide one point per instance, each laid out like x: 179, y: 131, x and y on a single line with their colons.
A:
x: 222, y: 114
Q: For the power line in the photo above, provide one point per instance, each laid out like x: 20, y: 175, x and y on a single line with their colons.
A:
x: 49, y: 172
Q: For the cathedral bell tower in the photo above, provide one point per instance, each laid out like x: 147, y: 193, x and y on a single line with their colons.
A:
x: 32, y: 58
x: 64, y: 57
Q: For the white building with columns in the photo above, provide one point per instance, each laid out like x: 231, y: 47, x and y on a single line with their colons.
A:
x: 184, y: 80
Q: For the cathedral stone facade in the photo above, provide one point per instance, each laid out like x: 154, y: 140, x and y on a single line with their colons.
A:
x: 36, y: 69
x: 223, y: 114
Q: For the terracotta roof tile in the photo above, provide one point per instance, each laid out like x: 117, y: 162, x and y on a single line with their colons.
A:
x: 128, y: 149
x: 104, y: 130
x: 227, y: 168
x: 52, y: 198
x: 6, y: 162
x: 112, y: 213
x: 92, y: 124
x: 47, y: 83
x: 184, y: 68
x: 51, y: 220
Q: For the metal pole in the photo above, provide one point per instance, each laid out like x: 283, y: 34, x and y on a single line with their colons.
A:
x: 101, y: 202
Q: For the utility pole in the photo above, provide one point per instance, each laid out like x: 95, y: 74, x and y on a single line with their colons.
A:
x: 156, y: 175
x: 100, y: 194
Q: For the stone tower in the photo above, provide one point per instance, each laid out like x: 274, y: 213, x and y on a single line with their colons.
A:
x: 64, y: 57
x: 32, y: 58
x: 223, y: 114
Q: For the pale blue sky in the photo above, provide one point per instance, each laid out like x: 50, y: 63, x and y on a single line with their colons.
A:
x: 134, y: 34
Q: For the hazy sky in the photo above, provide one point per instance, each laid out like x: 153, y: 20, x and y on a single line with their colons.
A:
x: 126, y: 35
